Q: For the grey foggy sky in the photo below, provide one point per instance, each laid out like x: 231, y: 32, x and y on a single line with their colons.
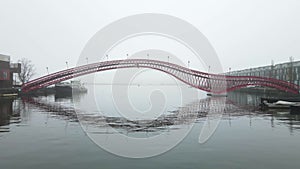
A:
x: 244, y: 33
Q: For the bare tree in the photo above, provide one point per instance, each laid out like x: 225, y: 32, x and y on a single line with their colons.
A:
x: 27, y: 70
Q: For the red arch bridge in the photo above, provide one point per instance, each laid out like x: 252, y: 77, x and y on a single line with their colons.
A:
x: 214, y: 83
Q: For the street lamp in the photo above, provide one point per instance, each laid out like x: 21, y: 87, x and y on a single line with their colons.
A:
x: 87, y: 60
x: 168, y: 58
x: 148, y: 56
x: 229, y: 70
x: 67, y: 65
x: 291, y: 77
x: 47, y: 70
x: 188, y: 64
x: 106, y: 57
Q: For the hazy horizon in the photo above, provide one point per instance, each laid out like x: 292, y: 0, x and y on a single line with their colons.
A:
x: 244, y: 33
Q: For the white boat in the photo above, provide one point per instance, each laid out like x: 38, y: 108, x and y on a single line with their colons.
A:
x: 216, y: 95
x: 279, y: 104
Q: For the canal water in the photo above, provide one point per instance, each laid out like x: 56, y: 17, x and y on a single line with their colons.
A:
x: 44, y: 132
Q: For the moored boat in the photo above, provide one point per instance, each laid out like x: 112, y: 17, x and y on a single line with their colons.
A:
x: 279, y: 104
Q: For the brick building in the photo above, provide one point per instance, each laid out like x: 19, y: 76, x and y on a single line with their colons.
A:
x: 7, y: 71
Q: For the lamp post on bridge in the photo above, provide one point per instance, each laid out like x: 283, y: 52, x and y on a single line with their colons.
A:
x: 168, y: 58
x: 47, y: 70
x: 229, y: 71
x: 67, y: 65
x: 148, y: 56
x: 291, y: 73
x: 106, y: 56
x: 188, y: 64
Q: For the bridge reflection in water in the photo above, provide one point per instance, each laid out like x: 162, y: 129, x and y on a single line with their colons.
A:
x: 15, y: 112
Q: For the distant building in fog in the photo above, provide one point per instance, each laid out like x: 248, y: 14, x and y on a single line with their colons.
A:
x: 7, y: 71
x: 289, y: 71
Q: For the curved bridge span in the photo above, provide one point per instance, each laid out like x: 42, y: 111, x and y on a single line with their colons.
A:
x: 214, y: 83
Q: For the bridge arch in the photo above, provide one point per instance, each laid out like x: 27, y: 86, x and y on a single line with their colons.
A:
x: 201, y: 80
